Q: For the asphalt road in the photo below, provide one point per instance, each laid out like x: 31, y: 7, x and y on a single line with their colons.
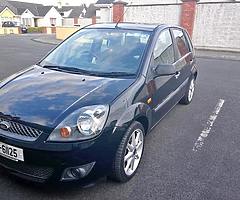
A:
x: 170, y: 169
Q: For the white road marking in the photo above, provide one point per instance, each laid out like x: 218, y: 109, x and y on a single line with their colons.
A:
x: 207, y: 129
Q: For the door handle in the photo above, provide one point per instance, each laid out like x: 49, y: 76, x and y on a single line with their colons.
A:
x: 177, y: 74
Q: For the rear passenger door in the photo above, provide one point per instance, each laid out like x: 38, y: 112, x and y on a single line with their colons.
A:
x: 160, y: 88
x: 183, y: 57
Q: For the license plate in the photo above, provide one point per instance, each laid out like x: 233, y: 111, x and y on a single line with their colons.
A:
x: 11, y: 152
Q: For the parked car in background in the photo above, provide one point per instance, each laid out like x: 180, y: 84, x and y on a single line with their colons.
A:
x: 84, y: 111
x: 24, y: 29
x: 8, y: 24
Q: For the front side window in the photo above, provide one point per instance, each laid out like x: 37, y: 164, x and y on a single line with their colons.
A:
x: 101, y: 51
x: 164, y: 50
x: 181, y: 42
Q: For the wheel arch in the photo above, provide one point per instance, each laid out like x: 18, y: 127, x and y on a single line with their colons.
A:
x: 137, y: 112
x: 144, y: 121
x: 195, y: 75
x: 194, y: 72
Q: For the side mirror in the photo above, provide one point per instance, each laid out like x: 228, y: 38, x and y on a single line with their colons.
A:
x: 164, y: 70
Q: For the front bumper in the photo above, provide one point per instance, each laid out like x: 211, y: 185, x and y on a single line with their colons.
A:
x: 44, y: 161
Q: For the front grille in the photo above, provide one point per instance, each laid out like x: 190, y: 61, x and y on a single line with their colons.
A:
x: 27, y: 170
x: 22, y: 131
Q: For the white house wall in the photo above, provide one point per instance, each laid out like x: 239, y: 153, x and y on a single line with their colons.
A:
x: 85, y: 22
x: 143, y: 2
x: 52, y: 13
x: 41, y: 22
x: 27, y: 15
x: 217, y: 26
x: 153, y: 14
x: 104, y: 15
x: 68, y: 22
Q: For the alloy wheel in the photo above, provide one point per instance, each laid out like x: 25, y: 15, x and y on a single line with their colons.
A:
x: 133, y: 152
x: 191, y: 90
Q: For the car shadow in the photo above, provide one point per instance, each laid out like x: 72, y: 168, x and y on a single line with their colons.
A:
x: 47, y: 188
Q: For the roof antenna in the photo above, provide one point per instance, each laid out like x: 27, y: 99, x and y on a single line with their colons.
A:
x: 119, y: 20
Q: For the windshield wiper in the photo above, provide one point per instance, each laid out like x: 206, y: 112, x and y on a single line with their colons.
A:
x: 67, y: 69
x: 117, y: 74
x: 85, y: 72
x: 51, y: 66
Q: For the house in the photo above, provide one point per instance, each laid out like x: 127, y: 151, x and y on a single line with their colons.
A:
x: 77, y: 15
x: 9, y: 12
x: 104, y: 12
x: 30, y: 14
x: 38, y: 15
x: 71, y: 14
x: 48, y: 16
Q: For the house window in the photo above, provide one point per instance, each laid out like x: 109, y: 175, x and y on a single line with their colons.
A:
x: 53, y: 21
x: 6, y: 19
x: 27, y: 21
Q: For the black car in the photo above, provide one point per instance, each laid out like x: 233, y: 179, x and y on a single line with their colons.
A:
x: 8, y: 24
x: 84, y: 110
x: 24, y: 29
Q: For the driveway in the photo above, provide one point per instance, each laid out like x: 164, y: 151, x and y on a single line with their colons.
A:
x: 194, y: 152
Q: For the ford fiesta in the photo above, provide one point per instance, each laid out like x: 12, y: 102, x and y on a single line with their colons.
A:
x: 84, y: 110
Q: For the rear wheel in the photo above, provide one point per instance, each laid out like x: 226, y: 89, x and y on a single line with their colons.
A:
x: 129, y: 154
x: 187, y: 99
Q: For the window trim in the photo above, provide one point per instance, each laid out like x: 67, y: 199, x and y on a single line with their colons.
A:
x: 149, y: 72
x: 167, y: 29
x: 154, y: 45
x: 187, y: 36
x: 175, y: 45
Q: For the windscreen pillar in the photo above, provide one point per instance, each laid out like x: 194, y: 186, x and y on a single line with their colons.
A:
x: 118, y: 11
x: 187, y: 18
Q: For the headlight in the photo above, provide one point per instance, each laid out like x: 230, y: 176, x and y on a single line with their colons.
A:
x: 82, y: 124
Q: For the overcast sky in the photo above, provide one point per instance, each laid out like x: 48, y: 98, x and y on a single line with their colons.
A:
x: 54, y: 2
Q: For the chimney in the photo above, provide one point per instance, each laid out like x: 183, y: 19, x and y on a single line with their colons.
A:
x: 59, y: 4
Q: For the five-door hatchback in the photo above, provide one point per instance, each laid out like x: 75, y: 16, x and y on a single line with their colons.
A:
x: 84, y: 110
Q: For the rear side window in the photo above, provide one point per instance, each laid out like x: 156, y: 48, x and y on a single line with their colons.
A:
x: 164, y: 50
x: 181, y: 43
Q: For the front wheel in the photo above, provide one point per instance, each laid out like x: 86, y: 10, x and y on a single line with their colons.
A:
x: 129, y: 154
x: 187, y: 98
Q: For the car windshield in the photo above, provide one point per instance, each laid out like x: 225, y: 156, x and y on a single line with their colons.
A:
x: 100, y: 51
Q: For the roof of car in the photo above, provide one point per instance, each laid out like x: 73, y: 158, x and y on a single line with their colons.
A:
x: 134, y: 26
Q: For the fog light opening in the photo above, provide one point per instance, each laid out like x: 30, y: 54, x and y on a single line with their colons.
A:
x: 79, y: 172
x: 75, y: 173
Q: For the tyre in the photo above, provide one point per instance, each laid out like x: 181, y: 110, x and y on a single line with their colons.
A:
x: 129, y: 154
x: 187, y: 98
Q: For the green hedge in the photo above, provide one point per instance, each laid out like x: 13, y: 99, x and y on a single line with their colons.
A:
x: 35, y: 29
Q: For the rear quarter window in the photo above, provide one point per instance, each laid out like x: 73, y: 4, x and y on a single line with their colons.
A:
x: 182, y: 46
x: 190, y: 45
